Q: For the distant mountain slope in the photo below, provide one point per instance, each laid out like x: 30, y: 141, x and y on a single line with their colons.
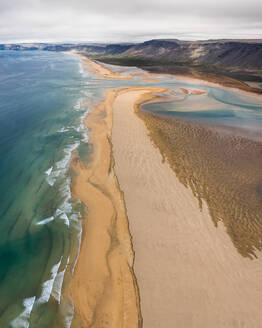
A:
x: 225, y: 53
x: 235, y: 58
x: 102, y: 49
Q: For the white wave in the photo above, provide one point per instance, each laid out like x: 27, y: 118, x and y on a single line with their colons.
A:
x: 76, y: 128
x: 61, y: 166
x: 48, y: 285
x: 63, y: 216
x: 69, y: 316
x: 51, y: 178
x: 66, y: 193
x: 66, y: 206
x: 81, y: 69
x: 57, y: 287
x: 58, y: 283
x: 22, y: 321
x: 83, y: 128
x: 77, y: 106
x: 49, y: 170
x: 50, y: 181
x: 79, y: 238
x: 63, y: 129
x: 45, y: 221
x: 64, y: 162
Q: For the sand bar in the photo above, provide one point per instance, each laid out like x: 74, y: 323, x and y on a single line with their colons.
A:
x: 103, y: 288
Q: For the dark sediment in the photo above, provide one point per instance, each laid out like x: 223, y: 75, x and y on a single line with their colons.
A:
x: 222, y: 169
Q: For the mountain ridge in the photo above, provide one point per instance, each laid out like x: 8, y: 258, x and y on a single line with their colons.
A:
x: 236, y: 58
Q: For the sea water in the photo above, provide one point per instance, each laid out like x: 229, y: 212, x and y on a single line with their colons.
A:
x: 40, y: 225
x: 43, y: 101
x: 234, y: 110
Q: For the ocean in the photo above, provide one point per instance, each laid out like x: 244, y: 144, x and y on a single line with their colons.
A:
x: 41, y: 116
x: 44, y: 97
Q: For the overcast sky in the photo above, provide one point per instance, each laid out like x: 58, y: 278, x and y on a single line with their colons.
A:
x: 128, y: 20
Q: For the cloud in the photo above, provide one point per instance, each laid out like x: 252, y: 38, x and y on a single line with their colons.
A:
x: 132, y: 20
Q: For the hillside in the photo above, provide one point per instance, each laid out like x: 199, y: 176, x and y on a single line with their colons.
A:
x: 241, y: 59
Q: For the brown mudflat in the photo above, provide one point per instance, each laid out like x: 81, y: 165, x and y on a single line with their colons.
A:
x: 223, y: 170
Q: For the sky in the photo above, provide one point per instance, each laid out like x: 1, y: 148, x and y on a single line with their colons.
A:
x: 128, y: 20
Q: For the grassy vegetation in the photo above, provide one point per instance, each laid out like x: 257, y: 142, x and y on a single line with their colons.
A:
x: 181, y: 66
x: 137, y: 61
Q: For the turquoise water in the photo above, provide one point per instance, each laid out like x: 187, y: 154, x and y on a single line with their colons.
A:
x: 40, y: 125
x: 42, y: 96
x: 218, y: 106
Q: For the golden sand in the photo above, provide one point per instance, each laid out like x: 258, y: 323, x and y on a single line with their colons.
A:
x: 104, y: 288
x: 193, y: 91
x: 101, y: 70
x: 185, y: 91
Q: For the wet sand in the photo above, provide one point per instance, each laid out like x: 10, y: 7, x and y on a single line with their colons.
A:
x: 100, y: 70
x: 221, y: 167
x: 205, y: 78
x: 188, y: 271
x: 104, y: 289
x: 241, y: 88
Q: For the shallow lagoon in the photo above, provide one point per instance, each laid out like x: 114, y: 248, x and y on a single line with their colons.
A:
x: 219, y: 107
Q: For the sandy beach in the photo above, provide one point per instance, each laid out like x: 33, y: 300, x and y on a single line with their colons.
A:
x: 187, y: 270
x: 100, y: 70
x: 104, y: 288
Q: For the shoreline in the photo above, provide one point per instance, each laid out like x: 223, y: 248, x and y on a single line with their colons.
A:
x: 103, y: 71
x: 103, y: 280
x: 100, y: 70
x: 203, y: 82
x: 212, y: 79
